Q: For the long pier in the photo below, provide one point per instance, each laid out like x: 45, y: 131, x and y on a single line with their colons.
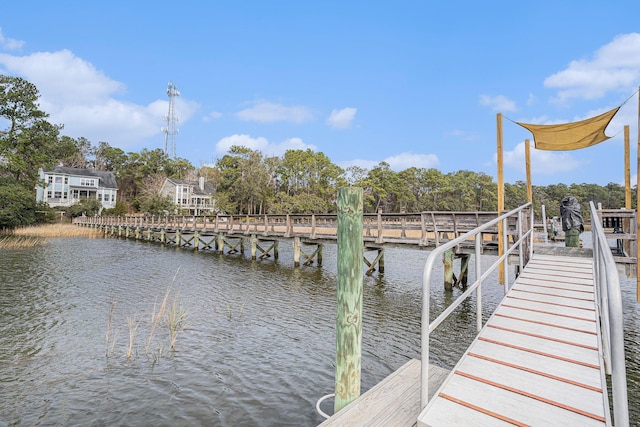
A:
x: 231, y: 233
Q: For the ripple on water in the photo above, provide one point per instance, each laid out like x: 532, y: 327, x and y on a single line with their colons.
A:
x: 259, y: 348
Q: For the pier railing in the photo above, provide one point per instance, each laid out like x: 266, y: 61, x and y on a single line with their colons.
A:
x: 520, y: 220
x: 421, y: 228
x: 607, y: 284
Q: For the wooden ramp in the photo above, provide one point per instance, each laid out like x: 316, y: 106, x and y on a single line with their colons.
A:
x: 538, y: 359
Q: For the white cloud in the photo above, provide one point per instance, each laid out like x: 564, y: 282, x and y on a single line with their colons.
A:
x: 261, y: 144
x: 267, y: 112
x: 214, y: 115
x: 341, y: 119
x: 498, y: 103
x: 82, y: 98
x: 531, y: 100
x: 9, y: 43
x: 463, y: 135
x: 615, y: 66
x: 398, y: 162
x: 542, y: 162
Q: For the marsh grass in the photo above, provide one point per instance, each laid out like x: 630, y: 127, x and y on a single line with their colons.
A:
x: 57, y: 230
x: 111, y: 341
x: 238, y: 312
x: 156, y: 319
x: 133, y: 327
x: 175, y: 319
x: 20, y: 242
x: 168, y: 319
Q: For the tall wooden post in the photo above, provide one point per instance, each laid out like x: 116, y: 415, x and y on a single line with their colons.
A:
x: 527, y: 162
x: 627, y: 169
x: 349, y: 292
x: 500, y: 196
x: 638, y: 206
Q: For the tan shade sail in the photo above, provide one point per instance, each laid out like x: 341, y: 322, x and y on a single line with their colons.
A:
x: 571, y: 136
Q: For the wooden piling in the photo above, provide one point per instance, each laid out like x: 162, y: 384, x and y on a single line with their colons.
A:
x: 220, y: 243
x: 254, y: 247
x: 296, y: 251
x: 447, y: 260
x: 349, y: 295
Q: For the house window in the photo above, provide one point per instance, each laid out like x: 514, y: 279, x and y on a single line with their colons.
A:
x: 49, y: 194
x: 66, y: 179
x: 99, y: 196
x: 64, y: 195
x: 50, y: 179
x: 58, y: 194
x: 58, y: 180
x: 76, y: 194
x: 87, y: 182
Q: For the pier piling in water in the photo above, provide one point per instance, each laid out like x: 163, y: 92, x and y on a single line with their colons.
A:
x: 349, y: 295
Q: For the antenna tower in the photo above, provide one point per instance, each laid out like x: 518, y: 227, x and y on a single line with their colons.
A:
x: 170, y: 131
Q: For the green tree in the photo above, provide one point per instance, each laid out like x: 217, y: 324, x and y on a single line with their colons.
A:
x: 157, y: 204
x: 17, y: 205
x: 245, y: 179
x: 30, y: 141
x: 89, y: 206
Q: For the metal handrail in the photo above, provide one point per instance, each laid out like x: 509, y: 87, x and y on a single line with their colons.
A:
x: 609, y: 299
x: 427, y: 328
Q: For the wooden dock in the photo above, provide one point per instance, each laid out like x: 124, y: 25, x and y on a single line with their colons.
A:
x: 537, y: 361
x: 395, y: 401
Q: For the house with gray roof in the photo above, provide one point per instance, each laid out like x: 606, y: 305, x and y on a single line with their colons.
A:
x: 194, y: 197
x: 65, y: 186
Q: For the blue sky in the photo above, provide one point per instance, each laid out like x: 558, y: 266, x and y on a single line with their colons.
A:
x: 412, y: 83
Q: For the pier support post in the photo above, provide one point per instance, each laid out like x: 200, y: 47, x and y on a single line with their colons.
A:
x: 349, y: 293
x: 450, y: 279
x: 296, y: 251
x: 220, y: 243
x: 254, y: 247
x: 447, y: 260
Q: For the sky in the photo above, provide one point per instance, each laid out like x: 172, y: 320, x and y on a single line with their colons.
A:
x: 410, y: 83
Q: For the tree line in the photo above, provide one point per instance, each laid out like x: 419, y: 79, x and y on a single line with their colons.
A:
x: 246, y: 181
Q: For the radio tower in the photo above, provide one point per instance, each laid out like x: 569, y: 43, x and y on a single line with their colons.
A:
x: 170, y: 131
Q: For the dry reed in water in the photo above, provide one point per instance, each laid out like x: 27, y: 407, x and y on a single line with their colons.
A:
x: 57, y: 230
x: 133, y: 326
x: 175, y: 320
x: 18, y: 242
x: 156, y: 318
x: 109, y: 323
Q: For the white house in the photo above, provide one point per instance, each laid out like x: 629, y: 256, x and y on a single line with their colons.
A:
x: 66, y: 186
x: 196, y: 197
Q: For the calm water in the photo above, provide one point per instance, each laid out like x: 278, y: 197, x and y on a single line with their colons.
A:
x: 258, y: 350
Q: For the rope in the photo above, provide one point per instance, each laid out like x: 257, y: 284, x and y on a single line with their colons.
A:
x: 322, y: 399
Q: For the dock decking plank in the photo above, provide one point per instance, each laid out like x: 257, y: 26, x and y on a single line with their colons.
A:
x: 537, y: 361
x: 395, y: 401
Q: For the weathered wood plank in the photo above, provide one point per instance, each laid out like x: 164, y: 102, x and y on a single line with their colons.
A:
x: 395, y: 401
